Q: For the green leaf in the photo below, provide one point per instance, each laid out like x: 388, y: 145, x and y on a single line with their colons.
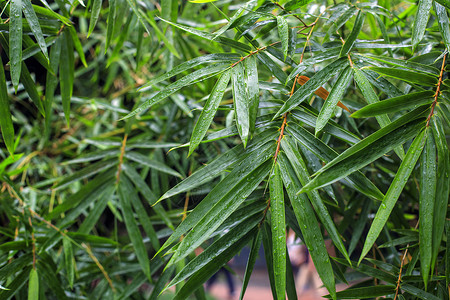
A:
x: 420, y: 21
x: 15, y: 285
x: 309, y: 226
x: 443, y: 22
x: 308, y: 117
x: 209, y: 110
x: 251, y: 82
x: 68, y: 260
x: 442, y: 185
x: 410, y: 65
x: 371, y: 97
x: 408, y: 76
x: 327, y: 154
x: 154, y: 164
x: 350, y: 41
x: 95, y: 12
x: 6, y: 124
x: 86, y: 172
x: 369, y: 149
x: 212, y: 37
x: 248, y: 163
x: 254, y: 249
x: 51, y: 83
x: 209, y: 58
x: 366, y: 292
x: 77, y: 44
x: 33, y: 285
x: 66, y: 73
x: 240, y: 100
x: 301, y: 171
x: 211, y: 268
x: 390, y: 199
x: 283, y: 32
x: 96, y: 212
x: 217, y: 249
x: 33, y: 21
x: 428, y: 178
x: 207, y: 72
x: 333, y: 98
x: 134, y: 233
x: 15, y: 41
x: 219, y: 211
x: 305, y: 91
x: 294, y: 4
x: 392, y: 105
x: 143, y: 217
x: 112, y: 4
x: 445, y: 3
x: 278, y: 229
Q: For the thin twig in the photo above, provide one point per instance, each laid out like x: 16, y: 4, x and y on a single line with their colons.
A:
x: 122, y: 153
x: 438, y: 89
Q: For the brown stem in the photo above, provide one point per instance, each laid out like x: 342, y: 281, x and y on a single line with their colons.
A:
x: 399, y: 280
x: 253, y: 53
x: 438, y: 89
x: 122, y: 153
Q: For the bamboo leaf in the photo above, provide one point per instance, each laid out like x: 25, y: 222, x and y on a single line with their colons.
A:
x: 134, y: 233
x: 15, y: 41
x: 33, y: 285
x: 300, y: 168
x: 251, y: 82
x: 66, y: 73
x: 220, y: 211
x: 95, y: 12
x: 209, y: 58
x: 312, y: 85
x: 412, y: 100
x: 408, y: 76
x: 442, y: 185
x: 207, y: 271
x: 350, y: 41
x: 366, y: 292
x: 283, y: 32
x: 254, y: 249
x: 68, y: 260
x: 371, y: 97
x: 86, y: 172
x: 209, y: 36
x: 325, y: 153
x: 294, y: 4
x: 309, y: 226
x: 249, y: 163
x: 33, y: 21
x: 426, y: 205
x: 420, y: 21
x: 206, y: 72
x: 77, y: 44
x: 240, y: 100
x: 390, y: 199
x: 216, y: 249
x: 333, y: 99
x: 369, y: 149
x: 209, y: 110
x: 410, y: 65
x: 443, y: 22
x: 154, y: 164
x: 6, y: 124
x: 278, y: 229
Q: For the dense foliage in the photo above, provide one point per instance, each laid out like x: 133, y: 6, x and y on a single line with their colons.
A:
x: 94, y: 94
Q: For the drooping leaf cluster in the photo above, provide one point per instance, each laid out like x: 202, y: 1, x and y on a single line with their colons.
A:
x: 137, y: 132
